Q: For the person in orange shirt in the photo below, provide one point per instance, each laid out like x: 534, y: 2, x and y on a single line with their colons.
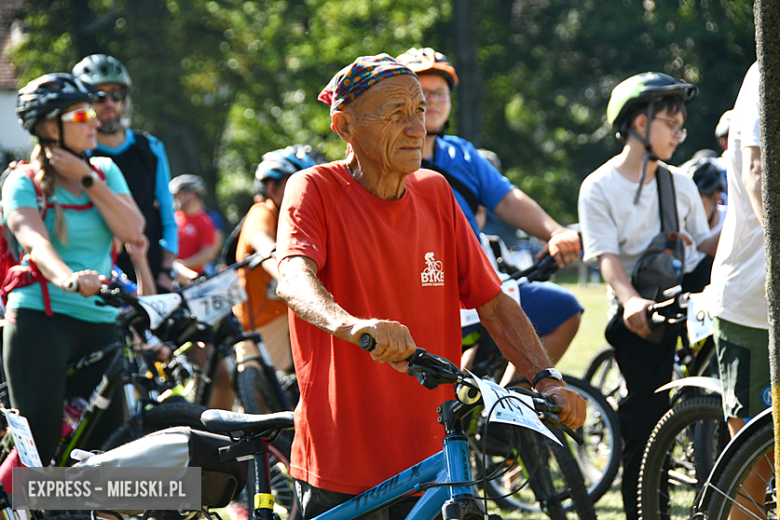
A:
x: 264, y: 311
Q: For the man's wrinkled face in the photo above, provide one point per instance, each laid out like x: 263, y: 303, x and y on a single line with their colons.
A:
x: 389, y: 123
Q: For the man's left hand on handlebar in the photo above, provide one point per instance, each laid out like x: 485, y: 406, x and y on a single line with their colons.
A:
x: 564, y: 246
x: 573, y: 406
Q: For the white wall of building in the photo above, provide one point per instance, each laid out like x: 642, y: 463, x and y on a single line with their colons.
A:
x: 12, y: 135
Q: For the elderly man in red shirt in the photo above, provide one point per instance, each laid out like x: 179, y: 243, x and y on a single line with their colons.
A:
x: 373, y: 244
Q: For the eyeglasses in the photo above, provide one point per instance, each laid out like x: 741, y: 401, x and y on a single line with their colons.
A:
x: 674, y: 126
x: 82, y: 115
x: 116, y: 95
x: 437, y: 95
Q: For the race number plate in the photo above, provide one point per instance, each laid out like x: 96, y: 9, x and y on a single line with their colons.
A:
x: 159, y: 306
x: 512, y: 408
x: 212, y: 299
x: 23, y: 439
x: 700, y: 318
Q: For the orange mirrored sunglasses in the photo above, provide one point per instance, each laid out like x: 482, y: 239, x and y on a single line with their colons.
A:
x: 82, y: 115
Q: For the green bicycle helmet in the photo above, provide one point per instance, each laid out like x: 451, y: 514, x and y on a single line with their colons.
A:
x: 644, y: 88
x: 99, y: 69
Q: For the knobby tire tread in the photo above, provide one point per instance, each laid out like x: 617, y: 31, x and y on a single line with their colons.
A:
x: 662, y: 440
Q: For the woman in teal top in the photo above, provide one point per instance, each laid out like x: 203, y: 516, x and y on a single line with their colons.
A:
x: 71, y: 246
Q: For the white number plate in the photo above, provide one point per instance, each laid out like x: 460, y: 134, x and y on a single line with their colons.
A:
x: 512, y: 408
x: 700, y: 318
x: 212, y: 299
x: 23, y: 439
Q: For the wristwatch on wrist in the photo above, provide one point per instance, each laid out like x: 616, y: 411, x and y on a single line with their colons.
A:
x: 547, y: 372
x: 89, y: 179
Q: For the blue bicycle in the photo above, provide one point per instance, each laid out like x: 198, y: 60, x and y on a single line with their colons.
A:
x: 445, y: 478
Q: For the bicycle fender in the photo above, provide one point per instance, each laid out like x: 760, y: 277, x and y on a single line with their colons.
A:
x: 711, y: 384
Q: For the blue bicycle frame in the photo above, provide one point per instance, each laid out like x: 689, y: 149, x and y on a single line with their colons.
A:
x: 452, y: 464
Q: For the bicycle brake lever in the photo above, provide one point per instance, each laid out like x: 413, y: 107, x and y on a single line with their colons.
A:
x: 555, y: 422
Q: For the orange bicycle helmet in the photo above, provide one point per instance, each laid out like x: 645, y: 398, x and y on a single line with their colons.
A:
x: 428, y: 61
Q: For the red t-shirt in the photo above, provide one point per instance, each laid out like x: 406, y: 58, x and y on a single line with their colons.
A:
x: 413, y: 260
x: 196, y: 230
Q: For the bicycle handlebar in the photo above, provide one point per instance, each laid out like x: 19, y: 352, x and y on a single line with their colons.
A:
x: 673, y: 310
x: 432, y: 371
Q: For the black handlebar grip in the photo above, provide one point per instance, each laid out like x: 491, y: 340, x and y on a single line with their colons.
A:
x: 367, y: 342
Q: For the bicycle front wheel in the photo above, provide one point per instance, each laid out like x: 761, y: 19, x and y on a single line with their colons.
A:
x: 556, y: 486
x: 603, y: 373
x: 679, y: 456
x: 747, y: 483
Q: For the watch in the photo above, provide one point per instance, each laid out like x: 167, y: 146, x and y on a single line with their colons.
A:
x: 547, y: 372
x: 88, y: 180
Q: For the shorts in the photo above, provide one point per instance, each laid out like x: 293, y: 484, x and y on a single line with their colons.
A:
x: 743, y: 360
x: 547, y: 305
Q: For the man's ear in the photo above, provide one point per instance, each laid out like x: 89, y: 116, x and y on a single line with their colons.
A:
x: 341, y: 123
x: 640, y: 123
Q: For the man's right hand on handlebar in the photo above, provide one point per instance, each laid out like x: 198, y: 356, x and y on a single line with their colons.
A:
x: 564, y: 246
x: 635, y: 315
x: 394, y: 342
x: 573, y: 406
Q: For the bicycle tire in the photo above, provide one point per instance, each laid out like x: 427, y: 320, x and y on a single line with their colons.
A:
x: 163, y: 415
x: 682, y: 449
x: 599, y: 456
x: 257, y: 394
x: 603, y: 373
x: 557, y: 491
x: 753, y: 450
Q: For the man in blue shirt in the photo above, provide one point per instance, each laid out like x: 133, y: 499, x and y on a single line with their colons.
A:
x: 553, y: 311
x: 143, y: 162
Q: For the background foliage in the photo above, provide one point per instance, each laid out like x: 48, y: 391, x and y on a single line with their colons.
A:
x: 223, y: 81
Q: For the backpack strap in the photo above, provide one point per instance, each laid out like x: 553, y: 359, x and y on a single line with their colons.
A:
x: 456, y: 184
x: 667, y: 200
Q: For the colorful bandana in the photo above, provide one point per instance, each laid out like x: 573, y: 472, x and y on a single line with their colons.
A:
x: 354, y: 79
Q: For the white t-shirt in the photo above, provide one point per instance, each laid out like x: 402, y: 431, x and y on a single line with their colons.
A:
x: 739, y: 270
x: 612, y: 223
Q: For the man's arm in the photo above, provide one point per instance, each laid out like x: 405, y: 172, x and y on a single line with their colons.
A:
x: 751, y: 177
x: 302, y: 291
x: 633, y: 304
x: 522, y: 212
x: 509, y: 327
x: 263, y: 243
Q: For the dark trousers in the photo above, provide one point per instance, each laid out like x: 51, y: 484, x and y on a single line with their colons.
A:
x: 36, y: 351
x: 646, y: 367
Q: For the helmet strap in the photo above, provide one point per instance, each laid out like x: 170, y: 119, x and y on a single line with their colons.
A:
x: 61, y: 143
x: 649, y: 154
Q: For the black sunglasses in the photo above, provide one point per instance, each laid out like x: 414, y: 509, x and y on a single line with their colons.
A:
x: 117, y: 95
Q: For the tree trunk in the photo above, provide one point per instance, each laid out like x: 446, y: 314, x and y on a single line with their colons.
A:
x: 470, y: 89
x: 768, y: 51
